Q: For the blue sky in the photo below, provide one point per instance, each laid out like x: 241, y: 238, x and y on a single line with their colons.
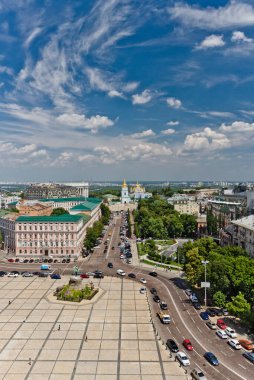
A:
x: 141, y: 89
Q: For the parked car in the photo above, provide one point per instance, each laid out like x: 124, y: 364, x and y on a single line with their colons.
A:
x: 132, y: 275
x: 211, y: 312
x: 172, y: 346
x: 11, y: 260
x: 225, y: 312
x: 142, y: 290
x: 234, y: 344
x: 55, y: 276
x: 43, y: 274
x: 204, y: 315
x: 27, y: 274
x: 249, y: 356
x: 193, y: 298
x: 143, y: 280
x: 154, y: 274
x: 211, y: 325
x: 153, y: 290
x: 84, y: 275
x: 10, y: 274
x: 163, y: 305
x: 221, y: 324
x: 197, y: 305
x: 188, y: 292
x: 221, y: 334
x: 182, y: 358
x: 31, y: 260
x: 99, y: 275
x: 211, y: 358
x: 17, y: 260
x: 187, y: 344
x: 218, y: 312
x: 197, y: 374
x: 246, y: 344
x: 110, y: 265
x: 120, y: 272
x: 156, y: 298
x: 2, y: 273
x: 230, y: 332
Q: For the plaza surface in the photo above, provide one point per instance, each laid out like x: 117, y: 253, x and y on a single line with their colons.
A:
x: 112, y: 338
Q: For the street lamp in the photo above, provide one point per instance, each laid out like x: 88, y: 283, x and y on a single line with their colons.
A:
x: 205, y: 262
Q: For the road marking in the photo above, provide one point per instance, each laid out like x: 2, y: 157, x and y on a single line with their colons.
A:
x: 188, y: 312
x: 242, y: 366
x: 192, y: 320
x: 195, y: 338
x: 199, y: 329
x: 178, y: 330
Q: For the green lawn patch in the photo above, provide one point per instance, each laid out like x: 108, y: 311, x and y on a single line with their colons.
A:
x: 70, y: 293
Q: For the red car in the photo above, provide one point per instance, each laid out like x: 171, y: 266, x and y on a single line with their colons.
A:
x: 11, y: 260
x: 187, y: 344
x: 221, y: 324
x: 84, y: 275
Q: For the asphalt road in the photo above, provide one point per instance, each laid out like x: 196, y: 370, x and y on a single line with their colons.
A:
x: 186, y: 322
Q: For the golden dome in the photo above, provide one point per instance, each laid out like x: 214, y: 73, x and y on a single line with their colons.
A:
x: 124, y: 183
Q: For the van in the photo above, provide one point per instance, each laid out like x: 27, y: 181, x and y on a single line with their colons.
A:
x: 120, y: 272
x: 45, y: 267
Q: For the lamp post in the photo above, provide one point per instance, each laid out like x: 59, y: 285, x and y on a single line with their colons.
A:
x: 205, y: 262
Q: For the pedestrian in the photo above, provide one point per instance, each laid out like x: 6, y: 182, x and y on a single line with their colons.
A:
x: 30, y: 361
x: 59, y: 327
x: 9, y: 302
x: 86, y: 338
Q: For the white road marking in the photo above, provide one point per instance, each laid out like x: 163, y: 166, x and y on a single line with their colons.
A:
x: 242, y: 366
x: 199, y: 329
x: 188, y: 312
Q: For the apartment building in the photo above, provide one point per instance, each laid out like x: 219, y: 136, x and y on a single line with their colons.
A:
x: 54, y: 190
x: 185, y: 205
x: 243, y: 234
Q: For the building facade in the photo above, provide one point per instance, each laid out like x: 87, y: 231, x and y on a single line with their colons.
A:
x: 53, y: 190
x: 241, y: 234
x: 125, y: 193
x: 5, y: 201
x: 185, y: 205
x: 34, y: 208
x: 139, y: 192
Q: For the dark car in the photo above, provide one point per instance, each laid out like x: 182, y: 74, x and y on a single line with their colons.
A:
x: 204, y: 315
x: 172, y: 346
x: 211, y: 312
x: 197, y: 305
x: 16, y: 260
x: 156, y: 298
x: 43, y: 274
x: 55, y: 261
x: 154, y: 274
x: 110, y: 265
x: 153, y: 290
x: 84, y: 275
x: 249, y: 356
x: 2, y: 273
x: 218, y: 312
x: 36, y: 273
x: 26, y: 261
x: 98, y: 275
x: 163, y: 305
x: 55, y: 276
x: 68, y: 260
x: 50, y: 260
x: 63, y: 261
x: 211, y: 358
x: 132, y: 275
x: 45, y: 260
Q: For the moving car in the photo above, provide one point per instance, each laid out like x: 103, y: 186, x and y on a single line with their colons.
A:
x: 163, y: 305
x: 221, y: 324
x: 55, y: 276
x: 132, y: 275
x: 110, y: 265
x: 143, y: 280
x: 120, y: 272
x: 234, y: 344
x: 211, y: 358
x: 84, y: 275
x: 142, y: 290
x: 221, y: 334
x: 154, y: 274
x: 156, y: 298
x: 246, y: 344
x: 182, y: 358
x: 197, y: 374
x: 211, y: 325
x: 230, y: 332
x: 153, y: 290
x: 204, y: 315
x: 187, y: 344
x: 249, y: 356
x: 172, y: 346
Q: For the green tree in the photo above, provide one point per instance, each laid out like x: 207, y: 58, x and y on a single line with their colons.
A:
x: 238, y: 306
x: 173, y: 225
x: 59, y: 211
x: 1, y: 239
x: 189, y: 223
x: 219, y: 299
x: 193, y: 266
x: 105, y: 213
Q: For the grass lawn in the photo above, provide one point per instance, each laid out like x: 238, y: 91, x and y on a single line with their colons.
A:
x: 141, y: 250
x: 152, y: 263
x: 165, y: 242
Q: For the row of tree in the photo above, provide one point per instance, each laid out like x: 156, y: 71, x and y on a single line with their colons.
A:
x: 128, y: 230
x: 157, y: 219
x: 230, y: 272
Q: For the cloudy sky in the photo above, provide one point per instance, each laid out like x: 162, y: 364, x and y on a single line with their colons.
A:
x: 142, y: 89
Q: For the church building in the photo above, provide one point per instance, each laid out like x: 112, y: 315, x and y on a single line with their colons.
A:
x: 125, y: 193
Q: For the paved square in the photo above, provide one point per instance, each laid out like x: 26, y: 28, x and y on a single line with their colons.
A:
x: 110, y: 339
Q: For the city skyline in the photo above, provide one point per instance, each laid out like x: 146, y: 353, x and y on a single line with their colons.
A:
x: 152, y: 90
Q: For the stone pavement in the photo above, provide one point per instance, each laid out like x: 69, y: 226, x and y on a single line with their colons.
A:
x: 112, y: 339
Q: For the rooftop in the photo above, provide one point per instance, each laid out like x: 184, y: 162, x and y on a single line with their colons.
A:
x: 246, y: 222
x: 86, y: 206
x: 66, y: 218
x: 71, y: 199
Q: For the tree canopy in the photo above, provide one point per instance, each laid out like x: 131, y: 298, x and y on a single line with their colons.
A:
x: 59, y: 211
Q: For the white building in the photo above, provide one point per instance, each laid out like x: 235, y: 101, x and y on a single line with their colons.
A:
x: 5, y: 200
x: 243, y: 234
x: 185, y: 204
x: 125, y: 193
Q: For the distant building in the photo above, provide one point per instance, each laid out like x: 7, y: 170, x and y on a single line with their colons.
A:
x: 185, y: 204
x: 34, y: 208
x: 53, y: 190
x: 6, y: 201
x: 69, y: 203
x: 139, y: 192
x: 125, y: 193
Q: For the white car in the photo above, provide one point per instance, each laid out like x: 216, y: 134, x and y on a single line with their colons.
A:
x: 235, y: 344
x: 221, y: 334
x: 182, y: 358
x: 143, y: 280
x: 230, y: 332
x: 197, y: 374
x: 12, y: 275
x: 193, y: 298
x: 142, y: 290
x: 120, y: 272
x: 122, y: 256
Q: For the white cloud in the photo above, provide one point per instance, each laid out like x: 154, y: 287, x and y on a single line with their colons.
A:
x: 234, y: 14
x: 115, y: 94
x: 143, y: 98
x: 147, y: 133
x: 32, y: 36
x: 211, y: 41
x: 6, y: 70
x: 173, y: 123
x: 238, y: 36
x: 168, y: 132
x: 173, y: 102
x: 207, y: 139
x: 131, y: 86
x: 94, y: 123
x: 237, y: 127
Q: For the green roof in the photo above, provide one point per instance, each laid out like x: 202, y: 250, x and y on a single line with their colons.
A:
x: 86, y: 206
x: 73, y: 199
x: 50, y: 219
x: 86, y: 218
x: 4, y: 212
x: 12, y: 204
